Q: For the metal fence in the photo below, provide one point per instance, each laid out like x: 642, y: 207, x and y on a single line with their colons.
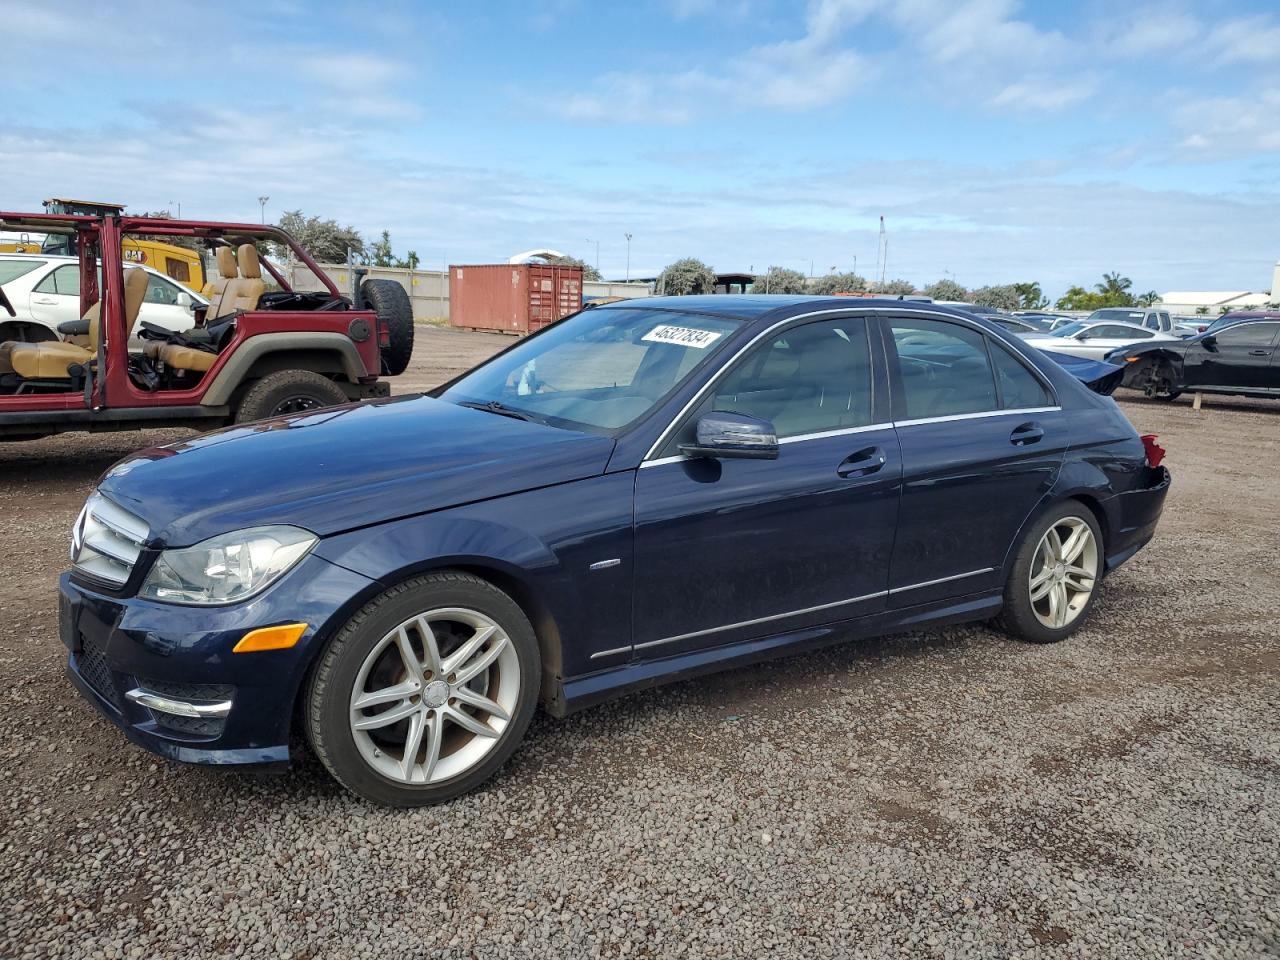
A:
x: 429, y: 289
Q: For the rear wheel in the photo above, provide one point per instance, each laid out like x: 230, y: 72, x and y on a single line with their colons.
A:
x: 288, y: 391
x: 1055, y: 575
x: 388, y: 300
x: 426, y: 692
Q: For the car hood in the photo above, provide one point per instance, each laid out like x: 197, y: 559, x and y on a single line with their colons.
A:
x: 345, y: 467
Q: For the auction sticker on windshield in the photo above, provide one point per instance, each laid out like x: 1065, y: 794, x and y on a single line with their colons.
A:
x: 684, y: 336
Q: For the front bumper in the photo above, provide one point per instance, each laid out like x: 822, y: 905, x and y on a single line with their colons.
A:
x: 165, y: 674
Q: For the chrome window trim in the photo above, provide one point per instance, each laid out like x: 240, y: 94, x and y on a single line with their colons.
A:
x: 980, y: 415
x: 1016, y: 349
x: 841, y: 432
x: 849, y: 311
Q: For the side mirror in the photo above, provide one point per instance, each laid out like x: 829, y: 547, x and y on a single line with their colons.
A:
x: 1209, y: 341
x: 1082, y: 335
x: 733, y: 436
x: 186, y: 300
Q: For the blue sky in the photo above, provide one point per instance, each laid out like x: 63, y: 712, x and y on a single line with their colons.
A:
x: 1002, y: 141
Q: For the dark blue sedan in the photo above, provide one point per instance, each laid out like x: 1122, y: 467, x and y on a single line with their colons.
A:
x: 644, y: 491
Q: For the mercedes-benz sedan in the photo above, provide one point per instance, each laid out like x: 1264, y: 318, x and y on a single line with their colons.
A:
x: 644, y: 491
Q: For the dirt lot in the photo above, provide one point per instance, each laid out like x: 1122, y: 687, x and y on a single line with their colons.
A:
x: 940, y: 794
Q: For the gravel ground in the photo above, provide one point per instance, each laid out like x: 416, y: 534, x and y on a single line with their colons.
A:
x: 949, y: 794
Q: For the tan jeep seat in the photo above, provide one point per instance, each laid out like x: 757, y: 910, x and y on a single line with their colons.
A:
x: 49, y: 361
x: 212, y: 290
x: 244, y: 292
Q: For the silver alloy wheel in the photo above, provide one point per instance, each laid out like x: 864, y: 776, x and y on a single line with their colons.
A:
x: 1063, y: 573
x: 434, y: 695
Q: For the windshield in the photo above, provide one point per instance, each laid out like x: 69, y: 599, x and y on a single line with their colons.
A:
x: 598, y: 370
x: 1124, y: 316
x: 1068, y: 329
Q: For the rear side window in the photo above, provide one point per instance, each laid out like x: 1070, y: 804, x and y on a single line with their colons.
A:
x: 1020, y: 389
x: 945, y: 369
x: 65, y: 281
x: 13, y: 269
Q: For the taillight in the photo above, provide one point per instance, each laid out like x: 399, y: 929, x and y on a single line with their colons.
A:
x: 1155, y: 452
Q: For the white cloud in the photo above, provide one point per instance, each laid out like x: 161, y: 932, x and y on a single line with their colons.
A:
x: 1246, y: 40
x: 1230, y: 126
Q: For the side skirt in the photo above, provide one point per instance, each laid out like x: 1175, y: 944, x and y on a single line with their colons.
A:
x: 578, y: 693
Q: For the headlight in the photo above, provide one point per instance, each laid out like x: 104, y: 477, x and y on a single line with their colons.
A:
x: 228, y: 568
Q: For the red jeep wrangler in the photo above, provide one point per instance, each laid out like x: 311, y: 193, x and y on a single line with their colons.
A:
x: 254, y: 352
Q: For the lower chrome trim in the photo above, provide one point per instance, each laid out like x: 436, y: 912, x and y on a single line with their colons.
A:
x: 933, y: 583
x: 605, y: 564
x: 179, y: 708
x: 609, y: 653
x: 769, y: 619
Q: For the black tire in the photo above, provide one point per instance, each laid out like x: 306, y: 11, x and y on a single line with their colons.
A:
x: 288, y: 391
x: 388, y: 300
x: 1018, y: 618
x: 326, y: 707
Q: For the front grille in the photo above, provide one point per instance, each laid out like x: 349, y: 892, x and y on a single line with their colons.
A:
x: 92, y: 662
x: 106, y: 541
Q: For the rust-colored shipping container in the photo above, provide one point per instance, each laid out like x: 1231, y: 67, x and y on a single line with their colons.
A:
x: 512, y: 297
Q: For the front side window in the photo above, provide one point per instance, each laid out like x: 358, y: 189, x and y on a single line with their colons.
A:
x: 65, y: 281
x: 598, y: 370
x: 944, y: 367
x: 160, y: 291
x: 1248, y: 335
x: 809, y: 379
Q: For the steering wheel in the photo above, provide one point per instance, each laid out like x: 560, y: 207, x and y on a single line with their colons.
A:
x: 4, y: 302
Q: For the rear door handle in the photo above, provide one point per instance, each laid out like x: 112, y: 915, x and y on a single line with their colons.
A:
x: 1026, y: 433
x: 863, y: 463
x: 1259, y: 353
x: 44, y: 300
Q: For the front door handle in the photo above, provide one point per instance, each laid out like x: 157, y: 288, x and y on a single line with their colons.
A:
x: 1259, y: 353
x: 45, y: 300
x: 863, y: 463
x: 1026, y: 433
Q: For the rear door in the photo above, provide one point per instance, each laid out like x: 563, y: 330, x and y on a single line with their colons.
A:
x: 982, y: 440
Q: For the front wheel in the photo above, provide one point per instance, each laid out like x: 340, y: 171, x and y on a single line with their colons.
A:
x: 426, y: 692
x: 1055, y: 575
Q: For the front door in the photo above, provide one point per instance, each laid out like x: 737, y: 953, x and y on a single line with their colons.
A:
x: 730, y: 549
x: 982, y: 441
x: 1237, y: 356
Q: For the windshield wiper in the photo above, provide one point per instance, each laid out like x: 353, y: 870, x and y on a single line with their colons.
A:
x: 493, y: 406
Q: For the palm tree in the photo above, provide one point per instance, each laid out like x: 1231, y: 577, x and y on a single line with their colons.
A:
x: 1113, y: 284
x: 1149, y: 299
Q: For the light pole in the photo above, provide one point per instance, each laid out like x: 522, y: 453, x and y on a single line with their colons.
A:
x: 597, y: 243
x: 628, y: 236
x: 262, y: 208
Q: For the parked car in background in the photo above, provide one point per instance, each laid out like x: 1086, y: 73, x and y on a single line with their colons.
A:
x: 642, y: 492
x: 1018, y: 325
x: 45, y: 292
x: 1150, y: 317
x: 1094, y: 340
x: 1239, y: 357
x: 1046, y: 318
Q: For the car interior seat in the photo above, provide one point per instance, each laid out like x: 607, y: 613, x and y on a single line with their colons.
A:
x: 50, y: 361
x: 226, y: 273
x: 241, y: 293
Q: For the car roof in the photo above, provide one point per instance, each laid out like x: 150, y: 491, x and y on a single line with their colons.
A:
x: 751, y: 306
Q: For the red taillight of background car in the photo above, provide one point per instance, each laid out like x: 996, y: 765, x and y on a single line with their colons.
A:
x: 1155, y: 452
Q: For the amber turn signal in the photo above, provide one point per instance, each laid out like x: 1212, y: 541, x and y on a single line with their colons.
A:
x: 271, y: 638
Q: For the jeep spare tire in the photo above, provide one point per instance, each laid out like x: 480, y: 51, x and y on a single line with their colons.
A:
x: 388, y: 300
